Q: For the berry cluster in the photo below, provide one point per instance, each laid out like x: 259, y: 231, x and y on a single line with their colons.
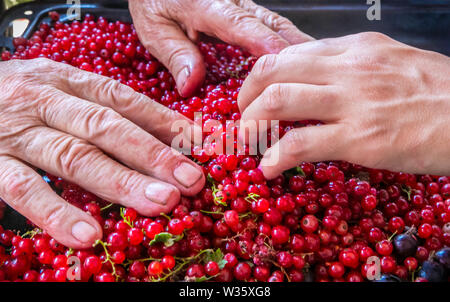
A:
x: 327, y: 221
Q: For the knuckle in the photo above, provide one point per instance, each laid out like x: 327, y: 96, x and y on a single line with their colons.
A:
x: 117, y: 93
x: 126, y: 182
x: 237, y: 16
x: 17, y: 184
x: 17, y: 90
x: 372, y: 36
x: 265, y: 65
x: 367, y: 63
x: 43, y: 62
x: 329, y: 98
x: 12, y: 136
x: 55, y: 215
x: 174, y: 56
x: 272, y: 97
x: 275, y: 40
x: 46, y: 102
x: 72, y: 155
x: 160, y: 154
x: 98, y: 121
x: 277, y: 22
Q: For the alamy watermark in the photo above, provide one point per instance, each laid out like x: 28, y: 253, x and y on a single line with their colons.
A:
x: 374, y: 11
x: 373, y: 268
x: 257, y: 138
x: 74, y: 11
x: 74, y: 268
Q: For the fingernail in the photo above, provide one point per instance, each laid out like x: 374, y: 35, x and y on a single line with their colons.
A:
x: 158, y: 193
x: 83, y: 231
x: 187, y: 175
x: 267, y: 177
x: 182, y: 78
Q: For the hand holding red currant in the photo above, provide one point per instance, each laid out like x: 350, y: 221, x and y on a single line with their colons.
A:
x: 382, y: 104
x: 169, y: 29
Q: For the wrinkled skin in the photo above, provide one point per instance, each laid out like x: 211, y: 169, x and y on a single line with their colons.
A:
x: 384, y: 104
x: 98, y: 134
x: 64, y: 121
x: 170, y: 28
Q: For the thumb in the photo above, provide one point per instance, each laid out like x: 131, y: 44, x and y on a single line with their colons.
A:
x: 166, y: 41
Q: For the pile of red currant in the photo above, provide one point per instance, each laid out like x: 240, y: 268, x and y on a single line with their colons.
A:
x: 327, y: 221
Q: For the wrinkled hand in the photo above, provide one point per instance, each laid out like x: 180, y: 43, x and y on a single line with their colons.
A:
x: 384, y: 104
x: 63, y: 120
x: 170, y: 28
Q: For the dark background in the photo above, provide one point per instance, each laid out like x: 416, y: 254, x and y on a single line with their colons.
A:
x: 421, y: 23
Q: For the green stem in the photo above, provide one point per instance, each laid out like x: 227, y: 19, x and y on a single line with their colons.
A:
x: 31, y: 233
x: 179, y: 268
x: 245, y: 215
x: 106, y: 207
x: 125, y: 219
x: 184, y: 262
x: 392, y: 236
x: 210, y: 212
x: 165, y: 216
x: 108, y: 257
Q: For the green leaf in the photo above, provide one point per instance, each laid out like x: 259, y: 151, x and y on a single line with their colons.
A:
x: 166, y: 238
x: 222, y: 263
x: 202, y: 279
x: 216, y: 256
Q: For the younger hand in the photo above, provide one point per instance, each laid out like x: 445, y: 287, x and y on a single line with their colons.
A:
x: 384, y: 104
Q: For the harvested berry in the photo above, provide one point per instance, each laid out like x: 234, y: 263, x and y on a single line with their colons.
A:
x: 443, y: 257
x: 405, y: 245
x: 324, y: 221
x: 432, y: 271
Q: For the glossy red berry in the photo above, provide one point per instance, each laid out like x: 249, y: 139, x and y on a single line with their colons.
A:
x: 280, y: 234
x: 309, y: 223
x: 242, y: 271
x: 168, y: 262
x: 212, y: 268
x: 384, y: 247
x: 176, y: 226
x: 155, y: 268
x: 135, y: 236
x: 349, y: 258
